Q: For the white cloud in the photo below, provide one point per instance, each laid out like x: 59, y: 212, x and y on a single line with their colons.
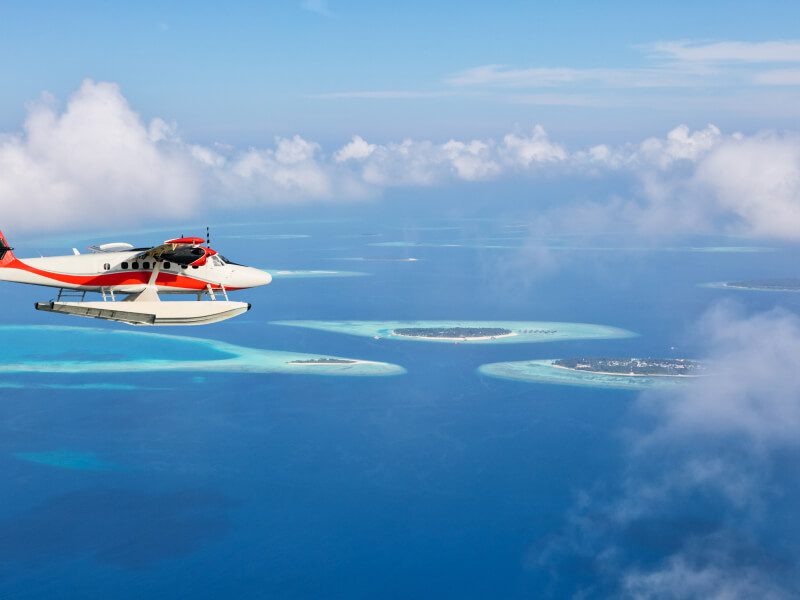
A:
x: 705, y: 482
x: 357, y: 149
x: 681, y: 144
x: 754, y: 393
x: 93, y: 163
x: 728, y: 51
x: 290, y: 170
x: 778, y: 77
x: 97, y: 159
x: 503, y: 76
x: 98, y: 162
x: 528, y: 150
x: 757, y: 179
x: 472, y: 160
x: 707, y: 181
x: 412, y: 162
x: 680, y: 577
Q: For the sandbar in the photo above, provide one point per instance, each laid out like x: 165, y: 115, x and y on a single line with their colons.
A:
x: 515, y: 331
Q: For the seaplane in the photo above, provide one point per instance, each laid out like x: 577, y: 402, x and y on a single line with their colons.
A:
x: 130, y: 281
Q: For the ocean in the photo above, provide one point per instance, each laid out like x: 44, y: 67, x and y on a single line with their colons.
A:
x: 438, y: 482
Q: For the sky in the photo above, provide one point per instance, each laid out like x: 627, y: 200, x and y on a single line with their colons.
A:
x: 589, y: 73
x: 187, y: 108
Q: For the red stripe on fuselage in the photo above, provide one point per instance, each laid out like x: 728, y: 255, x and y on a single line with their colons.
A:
x: 116, y: 279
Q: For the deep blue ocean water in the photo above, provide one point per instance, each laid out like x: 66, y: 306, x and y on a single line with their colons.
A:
x: 436, y: 483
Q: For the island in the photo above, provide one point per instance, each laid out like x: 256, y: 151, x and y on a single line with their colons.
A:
x: 635, y: 367
x: 613, y: 373
x: 323, y: 361
x: 453, y: 333
x: 457, y: 333
x: 772, y: 285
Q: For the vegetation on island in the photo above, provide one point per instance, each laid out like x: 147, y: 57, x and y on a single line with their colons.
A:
x: 452, y: 332
x: 322, y: 361
x: 767, y: 284
x: 635, y: 366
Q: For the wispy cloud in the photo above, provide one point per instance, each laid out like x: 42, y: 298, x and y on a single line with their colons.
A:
x: 385, y: 94
x: 778, y: 77
x: 566, y: 99
x: 685, y: 66
x: 672, y: 64
x: 319, y: 7
x: 780, y: 51
x: 544, y: 77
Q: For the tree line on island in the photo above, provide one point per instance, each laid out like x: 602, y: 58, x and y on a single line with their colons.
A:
x: 635, y: 366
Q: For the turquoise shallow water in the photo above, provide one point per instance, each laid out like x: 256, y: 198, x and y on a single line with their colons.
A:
x: 45, y: 344
x: 73, y: 350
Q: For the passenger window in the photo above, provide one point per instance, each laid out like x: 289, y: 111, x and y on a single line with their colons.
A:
x: 146, y: 265
x: 135, y: 265
x: 167, y: 265
x: 124, y: 265
x: 194, y: 266
x: 183, y: 266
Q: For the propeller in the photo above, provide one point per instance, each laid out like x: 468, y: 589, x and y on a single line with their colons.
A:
x: 208, y: 236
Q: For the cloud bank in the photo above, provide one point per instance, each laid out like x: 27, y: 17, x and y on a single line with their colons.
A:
x: 96, y: 160
x: 703, y: 503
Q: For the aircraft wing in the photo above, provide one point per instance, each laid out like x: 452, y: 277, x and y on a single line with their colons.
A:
x: 112, y: 247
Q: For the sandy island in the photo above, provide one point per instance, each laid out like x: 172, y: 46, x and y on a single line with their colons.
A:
x: 467, y: 332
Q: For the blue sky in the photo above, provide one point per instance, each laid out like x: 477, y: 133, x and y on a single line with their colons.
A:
x: 253, y: 70
x: 187, y: 107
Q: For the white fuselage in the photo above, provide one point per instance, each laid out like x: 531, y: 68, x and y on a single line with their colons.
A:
x: 125, y: 273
